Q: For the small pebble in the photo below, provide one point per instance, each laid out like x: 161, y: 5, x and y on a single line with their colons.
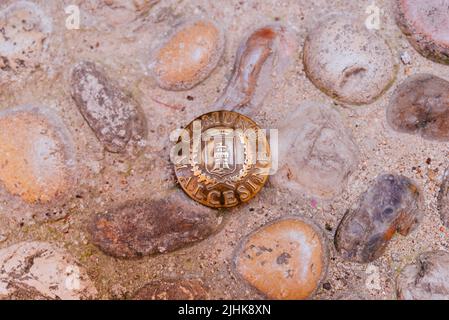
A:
x: 119, y: 13
x: 25, y: 30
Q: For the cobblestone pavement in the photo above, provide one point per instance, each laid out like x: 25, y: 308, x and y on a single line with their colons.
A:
x: 86, y: 181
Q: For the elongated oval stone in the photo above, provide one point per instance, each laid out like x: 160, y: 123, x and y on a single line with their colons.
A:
x: 141, y: 228
x: 426, y: 279
x: 392, y: 204
x: 347, y: 61
x: 42, y: 271
x: 285, y: 259
x: 36, y: 154
x: 188, y: 56
x: 421, y: 105
x: 426, y: 25
x: 264, y: 55
x: 115, y: 118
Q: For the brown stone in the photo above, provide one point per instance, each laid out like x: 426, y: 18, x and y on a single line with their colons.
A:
x: 140, y: 228
x: 317, y: 154
x: 173, y: 289
x: 36, y: 154
x: 188, y: 56
x: 393, y: 204
x: 421, y: 105
x: 285, y: 259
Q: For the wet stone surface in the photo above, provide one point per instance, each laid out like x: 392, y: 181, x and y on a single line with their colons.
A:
x: 426, y: 279
x: 113, y: 115
x: 316, y: 152
x: 42, y: 271
x: 348, y: 62
x: 425, y: 23
x: 392, y: 204
x: 285, y: 259
x: 420, y: 105
x: 143, y: 228
x: 173, y: 289
x: 36, y: 154
x: 188, y: 56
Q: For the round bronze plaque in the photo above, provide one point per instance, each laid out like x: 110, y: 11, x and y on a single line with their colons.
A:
x: 222, y: 159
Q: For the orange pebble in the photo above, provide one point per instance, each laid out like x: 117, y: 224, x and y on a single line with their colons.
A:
x: 34, y: 155
x: 285, y: 259
x: 189, y: 56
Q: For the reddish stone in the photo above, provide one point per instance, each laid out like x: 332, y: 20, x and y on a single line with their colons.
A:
x: 139, y: 228
x: 427, y: 279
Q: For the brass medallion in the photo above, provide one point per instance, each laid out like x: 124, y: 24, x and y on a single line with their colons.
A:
x: 222, y: 159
